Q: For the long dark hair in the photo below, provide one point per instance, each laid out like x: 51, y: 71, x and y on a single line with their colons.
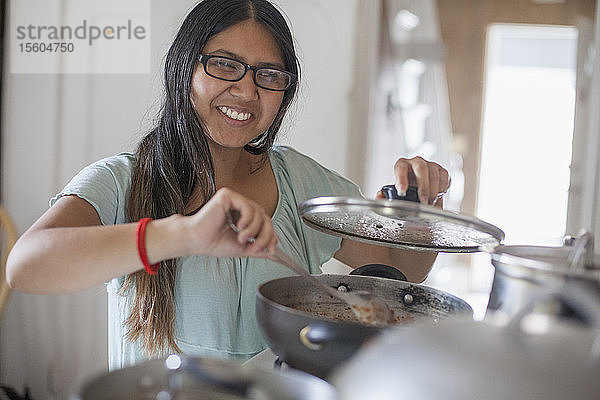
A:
x: 174, y: 158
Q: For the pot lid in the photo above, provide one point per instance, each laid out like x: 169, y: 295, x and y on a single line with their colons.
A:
x: 532, y: 356
x: 399, y: 223
x: 458, y: 360
x: 189, y: 377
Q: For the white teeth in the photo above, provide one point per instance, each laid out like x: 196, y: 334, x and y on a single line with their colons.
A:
x: 240, y: 116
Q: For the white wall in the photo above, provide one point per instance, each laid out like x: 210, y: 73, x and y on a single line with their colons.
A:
x: 56, y: 124
x: 324, y: 31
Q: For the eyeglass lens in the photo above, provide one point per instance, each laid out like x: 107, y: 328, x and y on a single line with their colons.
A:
x: 231, y: 70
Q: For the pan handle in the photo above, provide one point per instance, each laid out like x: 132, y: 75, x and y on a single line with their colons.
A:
x: 177, y: 364
x: 309, y: 340
x: 315, y: 337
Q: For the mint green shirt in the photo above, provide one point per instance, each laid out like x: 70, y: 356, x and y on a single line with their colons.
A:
x: 215, y: 297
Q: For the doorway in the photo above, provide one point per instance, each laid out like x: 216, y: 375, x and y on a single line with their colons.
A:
x: 464, y: 26
x: 527, y: 131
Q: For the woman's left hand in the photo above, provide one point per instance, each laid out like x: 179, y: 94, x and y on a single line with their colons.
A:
x: 431, y: 178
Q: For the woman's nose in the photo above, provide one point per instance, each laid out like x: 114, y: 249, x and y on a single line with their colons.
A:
x: 245, y: 87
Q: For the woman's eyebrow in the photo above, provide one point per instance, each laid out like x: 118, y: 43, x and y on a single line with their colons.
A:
x: 238, y: 57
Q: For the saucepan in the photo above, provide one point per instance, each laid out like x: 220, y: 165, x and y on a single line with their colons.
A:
x: 184, y: 377
x: 525, y: 272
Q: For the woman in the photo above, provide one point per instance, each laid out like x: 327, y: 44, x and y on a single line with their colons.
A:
x: 184, y: 281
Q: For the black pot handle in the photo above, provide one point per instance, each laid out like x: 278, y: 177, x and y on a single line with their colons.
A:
x: 390, y: 193
x: 380, y: 271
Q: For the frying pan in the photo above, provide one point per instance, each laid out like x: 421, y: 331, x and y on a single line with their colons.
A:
x: 314, y: 332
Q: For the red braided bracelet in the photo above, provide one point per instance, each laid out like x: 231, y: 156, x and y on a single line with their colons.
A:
x: 140, y: 235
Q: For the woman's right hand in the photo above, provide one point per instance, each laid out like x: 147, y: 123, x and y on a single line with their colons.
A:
x: 67, y: 249
x: 210, y: 233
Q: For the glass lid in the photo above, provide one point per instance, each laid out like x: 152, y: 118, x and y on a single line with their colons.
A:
x: 399, y: 223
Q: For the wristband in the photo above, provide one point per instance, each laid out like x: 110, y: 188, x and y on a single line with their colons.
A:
x: 140, y: 235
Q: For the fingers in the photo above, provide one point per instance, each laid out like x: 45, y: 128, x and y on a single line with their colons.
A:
x: 255, y: 228
x: 258, y: 233
x: 431, y: 178
x: 434, y: 184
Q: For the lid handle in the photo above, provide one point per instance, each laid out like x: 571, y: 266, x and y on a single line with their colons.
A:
x: 390, y: 193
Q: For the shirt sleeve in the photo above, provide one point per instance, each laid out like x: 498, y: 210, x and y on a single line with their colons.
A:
x: 103, y: 184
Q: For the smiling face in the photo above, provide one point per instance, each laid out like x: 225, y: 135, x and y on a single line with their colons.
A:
x: 234, y: 113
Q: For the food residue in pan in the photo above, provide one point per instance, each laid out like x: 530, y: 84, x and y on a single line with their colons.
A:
x: 341, y: 312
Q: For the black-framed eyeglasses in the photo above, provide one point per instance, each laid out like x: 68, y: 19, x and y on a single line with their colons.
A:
x: 228, y: 69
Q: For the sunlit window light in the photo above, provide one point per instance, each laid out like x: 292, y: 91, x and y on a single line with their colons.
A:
x: 527, y: 131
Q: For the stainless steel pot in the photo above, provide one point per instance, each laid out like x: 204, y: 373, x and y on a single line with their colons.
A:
x: 524, y: 273
x: 314, y: 332
x: 535, y: 356
x: 178, y: 377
